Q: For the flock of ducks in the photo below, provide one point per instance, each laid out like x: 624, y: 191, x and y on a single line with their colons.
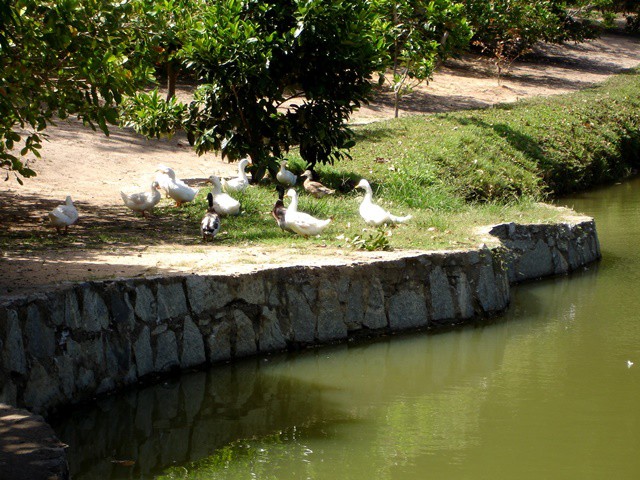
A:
x: 222, y: 203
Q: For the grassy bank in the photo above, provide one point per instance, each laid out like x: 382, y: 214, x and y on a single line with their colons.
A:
x: 456, y: 171
x: 453, y: 172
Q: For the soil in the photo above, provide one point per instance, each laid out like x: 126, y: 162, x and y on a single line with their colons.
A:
x: 93, y: 169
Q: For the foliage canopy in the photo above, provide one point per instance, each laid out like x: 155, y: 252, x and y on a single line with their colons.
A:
x: 252, y: 57
x: 272, y: 75
x: 59, y: 58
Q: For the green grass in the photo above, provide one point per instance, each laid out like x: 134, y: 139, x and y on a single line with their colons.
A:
x: 431, y: 228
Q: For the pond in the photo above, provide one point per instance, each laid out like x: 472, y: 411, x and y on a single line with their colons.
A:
x: 549, y: 390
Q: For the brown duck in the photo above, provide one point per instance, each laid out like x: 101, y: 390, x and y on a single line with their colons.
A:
x: 313, y: 188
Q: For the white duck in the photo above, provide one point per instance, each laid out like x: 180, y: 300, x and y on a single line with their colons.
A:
x: 210, y: 224
x: 64, y: 215
x: 142, y: 202
x: 164, y: 177
x: 279, y: 210
x: 285, y: 177
x: 239, y: 183
x: 374, y: 214
x: 176, y: 188
x: 300, y: 222
x: 223, y: 203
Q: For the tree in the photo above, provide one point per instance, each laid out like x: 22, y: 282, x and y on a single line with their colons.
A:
x: 166, y: 23
x: 507, y: 29
x: 61, y: 58
x: 420, y: 34
x: 252, y: 57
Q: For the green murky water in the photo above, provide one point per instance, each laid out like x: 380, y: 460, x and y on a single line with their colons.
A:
x: 545, y: 392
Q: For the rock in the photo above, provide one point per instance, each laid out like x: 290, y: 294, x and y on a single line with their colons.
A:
x: 122, y: 311
x: 166, y: 352
x: 246, y: 337
x: 535, y: 262
x: 95, y: 315
x: 441, y: 301
x: 29, y: 448
x: 13, y: 353
x: 193, y: 353
x: 145, y: 307
x: 219, y: 343
x: 207, y: 293
x: 407, y: 309
x: 301, y: 317
x: 270, y: 337
x: 171, y: 301
x: 375, y: 316
x: 41, y: 341
x: 42, y: 390
x: 330, y: 319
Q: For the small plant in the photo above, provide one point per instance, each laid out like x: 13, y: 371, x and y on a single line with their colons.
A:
x: 152, y: 116
x: 378, y: 240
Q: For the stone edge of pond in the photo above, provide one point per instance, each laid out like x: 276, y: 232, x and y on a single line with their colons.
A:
x: 29, y: 448
x: 74, y: 343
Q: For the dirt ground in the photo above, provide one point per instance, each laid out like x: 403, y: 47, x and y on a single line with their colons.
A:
x: 93, y: 169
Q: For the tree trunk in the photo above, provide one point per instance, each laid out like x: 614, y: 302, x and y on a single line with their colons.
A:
x: 172, y: 77
x: 396, y: 102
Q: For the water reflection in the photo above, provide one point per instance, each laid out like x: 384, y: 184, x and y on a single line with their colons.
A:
x: 186, y: 419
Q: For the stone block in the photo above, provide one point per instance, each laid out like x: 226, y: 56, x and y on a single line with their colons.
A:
x: 535, y: 263
x: 270, y: 337
x: 118, y: 357
x: 301, y: 316
x: 41, y: 341
x: 122, y: 311
x: 93, y: 353
x: 375, y: 316
x: 95, y: 315
x: 166, y: 352
x: 192, y: 345
x: 13, y: 353
x: 251, y: 289
x: 245, y: 336
x: 464, y: 296
x: 66, y: 376
x: 107, y: 384
x: 64, y: 308
x: 145, y: 307
x: 207, y: 293
x: 559, y: 262
x: 42, y: 389
x: 219, y: 342
x: 171, y: 301
x: 330, y: 318
x: 354, y: 305
x: 491, y: 290
x: 86, y: 380
x: 408, y: 309
x: 441, y: 301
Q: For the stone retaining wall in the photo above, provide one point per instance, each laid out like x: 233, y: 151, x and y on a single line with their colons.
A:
x: 67, y: 345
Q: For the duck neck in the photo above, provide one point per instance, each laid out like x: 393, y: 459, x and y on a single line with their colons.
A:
x: 293, y: 206
x: 217, y: 187
x: 241, y: 171
x: 368, y: 194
